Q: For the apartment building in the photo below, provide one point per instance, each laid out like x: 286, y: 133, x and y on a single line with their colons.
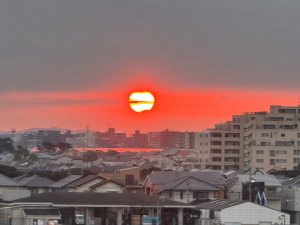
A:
x: 260, y: 140
x: 221, y: 148
x: 272, y: 139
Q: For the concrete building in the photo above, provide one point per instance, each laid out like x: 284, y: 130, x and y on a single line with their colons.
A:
x: 260, y: 140
x: 220, y: 148
x: 291, y: 198
x: 272, y: 139
x: 51, y: 136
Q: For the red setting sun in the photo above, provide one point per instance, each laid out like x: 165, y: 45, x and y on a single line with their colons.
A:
x: 141, y: 101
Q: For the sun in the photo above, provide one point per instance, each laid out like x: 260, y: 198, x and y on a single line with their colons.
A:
x: 141, y: 101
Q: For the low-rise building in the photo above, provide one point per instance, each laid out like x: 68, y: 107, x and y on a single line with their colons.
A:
x: 291, y: 198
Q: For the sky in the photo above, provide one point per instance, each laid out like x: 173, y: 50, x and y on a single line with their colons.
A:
x: 74, y: 63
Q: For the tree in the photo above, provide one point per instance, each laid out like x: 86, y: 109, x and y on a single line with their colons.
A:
x: 6, y: 145
x: 64, y: 146
x: 48, y: 146
x: 9, y: 171
x: 89, y: 156
x: 21, y: 154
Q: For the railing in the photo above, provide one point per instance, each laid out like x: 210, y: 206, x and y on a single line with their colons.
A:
x: 203, y: 221
x: 273, y: 194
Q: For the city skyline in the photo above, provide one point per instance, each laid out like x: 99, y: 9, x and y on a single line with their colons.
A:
x: 71, y: 64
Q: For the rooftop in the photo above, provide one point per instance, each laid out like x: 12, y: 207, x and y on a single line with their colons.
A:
x: 100, y: 199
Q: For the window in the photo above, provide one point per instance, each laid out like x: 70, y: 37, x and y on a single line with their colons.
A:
x: 282, y: 134
x: 285, y: 110
x: 170, y: 193
x: 259, y: 152
x: 281, y: 160
x: 181, y: 194
x: 296, y: 151
x: 200, y: 195
x: 296, y: 160
x: 284, y: 143
x: 272, y: 153
x: 268, y: 126
x: 129, y: 179
x: 265, y: 134
x: 281, y: 152
x: 259, y: 160
x: 272, y: 161
x: 265, y: 143
x: 148, y: 191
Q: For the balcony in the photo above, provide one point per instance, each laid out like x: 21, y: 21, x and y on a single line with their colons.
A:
x: 273, y: 194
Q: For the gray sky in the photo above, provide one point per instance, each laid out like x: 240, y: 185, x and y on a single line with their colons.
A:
x: 82, y: 45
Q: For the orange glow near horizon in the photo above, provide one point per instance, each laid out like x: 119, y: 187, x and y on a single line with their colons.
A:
x: 175, y: 109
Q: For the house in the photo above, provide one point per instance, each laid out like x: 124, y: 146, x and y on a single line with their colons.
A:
x: 291, y: 198
x: 84, y: 183
x: 98, y: 208
x: 8, y: 185
x: 125, y: 176
x: 60, y: 185
x: 107, y: 186
x: 30, y: 215
x: 265, y: 188
x: 65, y: 159
x: 35, y: 184
x: 159, y: 178
x: 190, y: 188
x: 239, y: 213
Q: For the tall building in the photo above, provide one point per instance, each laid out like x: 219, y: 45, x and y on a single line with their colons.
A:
x: 272, y: 139
x: 257, y: 140
x: 221, y: 148
x: 51, y: 136
x: 172, y: 139
x: 139, y: 140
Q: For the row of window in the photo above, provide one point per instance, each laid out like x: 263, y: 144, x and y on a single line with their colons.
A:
x: 272, y: 161
x: 196, y: 194
x: 272, y: 152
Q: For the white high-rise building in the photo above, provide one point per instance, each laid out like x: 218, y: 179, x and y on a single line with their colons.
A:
x: 258, y: 140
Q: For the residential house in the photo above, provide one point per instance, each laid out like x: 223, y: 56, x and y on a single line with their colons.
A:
x: 126, y: 176
x: 240, y: 213
x: 265, y: 189
x: 60, y: 185
x: 8, y: 185
x: 190, y: 188
x: 35, y: 184
x: 157, y: 179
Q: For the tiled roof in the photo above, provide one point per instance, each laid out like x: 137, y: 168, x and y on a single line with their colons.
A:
x: 292, y: 181
x: 101, y: 199
x: 35, y: 181
x: 7, y: 182
x: 216, y: 204
x: 164, y: 177
x: 63, y: 182
x: 191, y: 183
x: 268, y: 179
x: 83, y: 180
x: 99, y: 184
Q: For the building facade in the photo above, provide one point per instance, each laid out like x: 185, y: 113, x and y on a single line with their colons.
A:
x: 257, y: 140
